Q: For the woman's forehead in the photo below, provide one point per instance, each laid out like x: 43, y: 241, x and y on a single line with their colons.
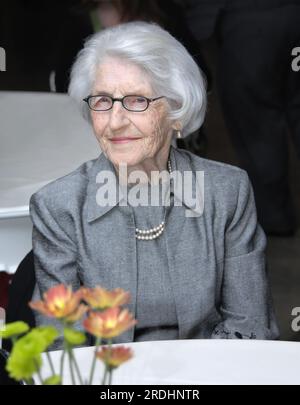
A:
x: 117, y: 74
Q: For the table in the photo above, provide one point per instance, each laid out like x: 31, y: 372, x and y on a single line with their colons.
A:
x: 197, y: 362
x: 42, y: 138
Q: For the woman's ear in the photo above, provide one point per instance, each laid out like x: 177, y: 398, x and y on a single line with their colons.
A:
x: 177, y: 129
x: 177, y: 126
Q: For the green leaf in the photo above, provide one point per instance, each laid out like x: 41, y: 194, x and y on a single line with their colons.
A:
x: 22, y: 367
x: 25, y: 358
x: 54, y: 380
x: 13, y: 329
x: 37, y: 340
x: 73, y: 337
x: 47, y: 333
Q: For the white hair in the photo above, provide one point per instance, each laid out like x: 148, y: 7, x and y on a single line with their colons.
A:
x: 172, y: 71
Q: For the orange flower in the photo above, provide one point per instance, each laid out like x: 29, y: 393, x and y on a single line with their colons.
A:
x: 113, y: 357
x: 60, y: 302
x: 77, y: 314
x: 109, y: 323
x: 100, y: 298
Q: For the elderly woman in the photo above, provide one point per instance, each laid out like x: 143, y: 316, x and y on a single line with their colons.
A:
x: 195, y: 266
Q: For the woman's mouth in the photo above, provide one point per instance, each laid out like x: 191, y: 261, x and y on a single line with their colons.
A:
x: 123, y: 139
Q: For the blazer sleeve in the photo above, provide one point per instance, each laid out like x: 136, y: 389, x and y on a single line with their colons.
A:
x: 55, y: 256
x: 246, y: 304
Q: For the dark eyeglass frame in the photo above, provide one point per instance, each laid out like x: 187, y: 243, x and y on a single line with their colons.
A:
x: 121, y: 100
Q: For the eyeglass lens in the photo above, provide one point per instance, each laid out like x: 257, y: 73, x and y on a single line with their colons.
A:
x: 132, y: 103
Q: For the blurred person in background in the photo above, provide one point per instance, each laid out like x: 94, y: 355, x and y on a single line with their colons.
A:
x: 260, y: 93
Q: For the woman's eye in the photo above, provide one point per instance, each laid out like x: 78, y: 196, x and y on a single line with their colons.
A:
x: 104, y: 100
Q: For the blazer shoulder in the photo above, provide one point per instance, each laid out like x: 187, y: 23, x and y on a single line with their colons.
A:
x: 66, y: 188
x: 225, y: 185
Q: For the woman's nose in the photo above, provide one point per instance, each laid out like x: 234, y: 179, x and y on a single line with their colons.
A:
x: 118, y: 116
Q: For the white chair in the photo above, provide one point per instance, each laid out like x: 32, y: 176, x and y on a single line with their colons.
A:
x: 42, y: 137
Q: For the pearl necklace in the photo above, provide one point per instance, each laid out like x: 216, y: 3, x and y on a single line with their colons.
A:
x: 152, y: 233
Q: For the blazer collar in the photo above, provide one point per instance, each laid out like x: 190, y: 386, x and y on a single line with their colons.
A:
x: 180, y: 162
x: 95, y: 210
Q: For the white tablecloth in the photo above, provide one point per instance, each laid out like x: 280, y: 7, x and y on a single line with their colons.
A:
x: 199, y: 362
x: 42, y: 137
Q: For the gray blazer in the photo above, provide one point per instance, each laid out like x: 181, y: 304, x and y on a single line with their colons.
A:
x: 218, y: 262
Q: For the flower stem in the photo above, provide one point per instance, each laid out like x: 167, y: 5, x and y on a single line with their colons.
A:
x: 76, y: 367
x: 62, y: 364
x: 50, y: 363
x: 38, y: 372
x: 110, y: 371
x: 71, y: 365
x: 98, y: 342
x: 110, y: 377
x: 104, y: 376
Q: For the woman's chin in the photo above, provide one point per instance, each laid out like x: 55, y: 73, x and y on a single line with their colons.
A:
x: 128, y: 159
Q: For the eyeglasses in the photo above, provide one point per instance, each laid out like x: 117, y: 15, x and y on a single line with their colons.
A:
x: 130, y: 103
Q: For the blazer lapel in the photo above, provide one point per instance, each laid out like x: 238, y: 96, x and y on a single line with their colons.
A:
x: 125, y: 267
x: 180, y: 217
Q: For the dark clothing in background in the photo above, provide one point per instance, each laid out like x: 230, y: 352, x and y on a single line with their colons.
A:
x: 73, y: 33
x: 78, y: 27
x: 203, y: 15
x: 260, y: 93
x: 262, y: 103
x: 20, y: 294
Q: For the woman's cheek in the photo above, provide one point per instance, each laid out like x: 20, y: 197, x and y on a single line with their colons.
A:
x: 98, y: 127
x: 99, y: 134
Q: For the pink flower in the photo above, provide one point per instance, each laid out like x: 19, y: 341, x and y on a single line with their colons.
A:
x: 61, y: 303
